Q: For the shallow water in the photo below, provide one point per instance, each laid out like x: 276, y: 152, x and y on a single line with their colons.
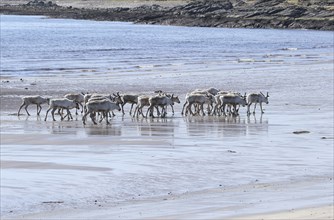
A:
x: 32, y: 45
x: 71, y: 165
x: 130, y: 160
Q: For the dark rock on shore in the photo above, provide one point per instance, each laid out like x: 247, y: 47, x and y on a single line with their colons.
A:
x: 307, y: 14
x: 41, y: 4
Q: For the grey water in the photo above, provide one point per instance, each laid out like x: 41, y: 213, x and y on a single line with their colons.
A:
x: 36, y: 46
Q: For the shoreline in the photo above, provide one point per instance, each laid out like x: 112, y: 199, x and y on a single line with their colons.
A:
x: 323, y: 212
x: 307, y: 213
x: 227, y: 14
x: 210, y: 204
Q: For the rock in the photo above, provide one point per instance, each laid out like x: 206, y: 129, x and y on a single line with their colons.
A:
x: 37, y: 3
x: 301, y: 132
x: 53, y: 202
x: 294, y: 12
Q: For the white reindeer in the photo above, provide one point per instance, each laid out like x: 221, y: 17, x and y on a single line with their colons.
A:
x: 159, y: 101
x: 36, y: 100
x: 143, y: 101
x: 78, y: 98
x: 233, y: 100
x: 199, y: 99
x: 256, y: 98
x: 62, y: 103
x: 212, y: 91
x: 175, y: 99
x: 127, y: 98
x: 219, y: 104
x: 102, y: 106
x: 96, y: 96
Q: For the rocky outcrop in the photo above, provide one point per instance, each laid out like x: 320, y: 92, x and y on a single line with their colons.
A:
x: 308, y: 14
x: 37, y: 3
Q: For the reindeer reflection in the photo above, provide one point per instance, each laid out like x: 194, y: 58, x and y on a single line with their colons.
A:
x: 104, y: 131
x: 228, y: 126
x: 155, y: 126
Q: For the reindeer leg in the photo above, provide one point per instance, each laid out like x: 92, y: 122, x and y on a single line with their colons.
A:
x: 254, y: 107
x: 46, y: 115
x: 106, y: 113
x: 184, y: 107
x: 40, y: 109
x: 102, y: 116
x: 163, y: 112
x: 248, y: 108
x: 158, y: 112
x: 68, y: 114
x: 261, y: 108
x: 131, y: 108
x: 141, y: 110
x: 84, y: 118
x: 26, y: 108
x: 53, y: 114
x: 123, y: 108
x: 149, y: 109
x: 202, y: 108
x: 82, y: 108
x: 92, y: 116
x: 18, y: 113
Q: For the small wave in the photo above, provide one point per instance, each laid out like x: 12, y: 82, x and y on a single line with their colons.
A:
x: 290, y: 48
x: 144, y: 66
x: 246, y: 60
x: 99, y: 50
x: 50, y: 69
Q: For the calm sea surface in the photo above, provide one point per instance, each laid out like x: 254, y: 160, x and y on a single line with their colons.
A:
x: 43, y: 162
x: 33, y: 45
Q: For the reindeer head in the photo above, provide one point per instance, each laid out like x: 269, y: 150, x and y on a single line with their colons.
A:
x: 175, y: 99
x: 117, y: 98
x: 265, y: 98
x: 48, y: 101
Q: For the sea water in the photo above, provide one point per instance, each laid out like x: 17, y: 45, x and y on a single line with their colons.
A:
x: 33, y: 45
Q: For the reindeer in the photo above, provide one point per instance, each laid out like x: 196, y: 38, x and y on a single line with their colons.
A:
x: 36, y: 100
x: 126, y: 98
x: 159, y: 101
x: 256, y: 98
x: 233, y: 100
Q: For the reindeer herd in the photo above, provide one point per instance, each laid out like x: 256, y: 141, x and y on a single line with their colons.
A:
x: 217, y: 103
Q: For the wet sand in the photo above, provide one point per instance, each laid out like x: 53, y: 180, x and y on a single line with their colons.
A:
x: 325, y: 212
x: 173, y: 168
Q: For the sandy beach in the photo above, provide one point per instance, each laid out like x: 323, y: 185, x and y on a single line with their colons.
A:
x: 307, y: 197
x: 276, y: 165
